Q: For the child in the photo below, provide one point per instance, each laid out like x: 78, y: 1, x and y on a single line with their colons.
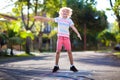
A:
x: 64, y: 22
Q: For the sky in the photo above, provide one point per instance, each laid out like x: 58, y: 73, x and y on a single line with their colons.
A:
x: 102, y: 5
x: 6, y: 7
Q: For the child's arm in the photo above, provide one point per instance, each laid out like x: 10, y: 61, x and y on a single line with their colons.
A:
x: 76, y: 31
x: 44, y: 19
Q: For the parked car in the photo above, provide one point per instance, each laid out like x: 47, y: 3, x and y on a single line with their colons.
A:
x: 117, y: 47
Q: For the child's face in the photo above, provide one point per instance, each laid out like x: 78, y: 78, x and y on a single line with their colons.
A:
x: 65, y: 13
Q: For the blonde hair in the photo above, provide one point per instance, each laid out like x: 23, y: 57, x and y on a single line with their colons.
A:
x: 63, y: 8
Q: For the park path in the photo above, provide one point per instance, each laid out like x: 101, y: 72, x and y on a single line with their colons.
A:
x: 91, y: 65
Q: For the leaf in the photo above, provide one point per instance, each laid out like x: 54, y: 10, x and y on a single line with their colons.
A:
x: 108, y: 9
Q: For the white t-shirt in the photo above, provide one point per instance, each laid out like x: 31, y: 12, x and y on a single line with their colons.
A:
x: 63, y: 26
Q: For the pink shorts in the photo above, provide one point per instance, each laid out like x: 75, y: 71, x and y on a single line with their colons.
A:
x: 63, y: 41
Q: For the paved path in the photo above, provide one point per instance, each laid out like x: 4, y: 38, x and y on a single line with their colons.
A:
x: 92, y: 66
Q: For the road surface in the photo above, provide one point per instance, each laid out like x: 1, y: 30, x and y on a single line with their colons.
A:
x: 91, y: 65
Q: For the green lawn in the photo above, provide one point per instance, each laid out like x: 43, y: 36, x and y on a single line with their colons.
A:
x: 117, y: 54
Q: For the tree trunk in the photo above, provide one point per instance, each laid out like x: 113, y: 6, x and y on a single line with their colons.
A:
x: 28, y: 45
x: 85, y: 36
x: 119, y: 25
x: 40, y: 41
x: 11, y: 52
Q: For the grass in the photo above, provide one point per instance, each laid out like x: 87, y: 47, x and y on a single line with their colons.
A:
x: 117, y: 54
x: 23, y: 55
x: 6, y: 57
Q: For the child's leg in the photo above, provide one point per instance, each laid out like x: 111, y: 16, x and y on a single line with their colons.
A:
x: 67, y: 45
x: 59, y: 47
x: 72, y: 67
x: 56, y: 67
x: 70, y: 56
x: 57, y: 57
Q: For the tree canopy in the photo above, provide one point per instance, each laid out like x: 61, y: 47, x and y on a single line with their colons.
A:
x: 84, y: 12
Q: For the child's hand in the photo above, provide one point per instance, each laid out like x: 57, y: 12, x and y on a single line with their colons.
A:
x: 37, y: 17
x: 43, y: 19
x: 79, y: 36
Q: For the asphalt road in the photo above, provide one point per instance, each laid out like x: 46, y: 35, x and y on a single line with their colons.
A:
x: 91, y: 65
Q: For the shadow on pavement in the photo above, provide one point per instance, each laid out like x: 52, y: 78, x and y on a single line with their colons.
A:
x: 17, y: 59
x: 99, y: 60
x: 43, y: 74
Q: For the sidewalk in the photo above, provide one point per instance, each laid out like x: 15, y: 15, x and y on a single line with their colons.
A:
x: 91, y: 65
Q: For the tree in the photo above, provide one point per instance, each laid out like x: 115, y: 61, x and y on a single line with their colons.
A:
x: 45, y: 8
x: 106, y: 37
x: 11, y: 29
x: 27, y: 19
x: 88, y: 20
x: 115, y: 30
x: 115, y: 7
x: 50, y: 9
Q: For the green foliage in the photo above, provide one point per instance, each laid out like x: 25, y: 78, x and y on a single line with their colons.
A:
x: 15, y: 40
x: 118, y: 38
x: 51, y: 8
x: 106, y: 37
x: 52, y: 33
x: 3, y: 36
x: 24, y: 55
x: 85, y: 13
x: 4, y: 53
x: 11, y: 33
x: 115, y: 30
x: 115, y: 7
x: 117, y: 54
x: 25, y: 34
x: 15, y: 26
